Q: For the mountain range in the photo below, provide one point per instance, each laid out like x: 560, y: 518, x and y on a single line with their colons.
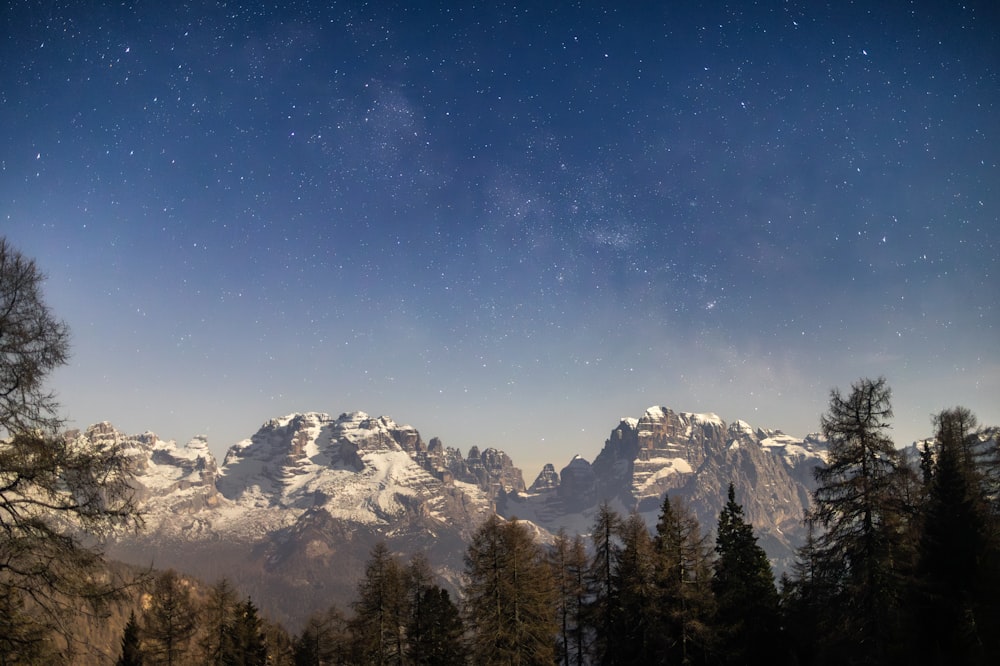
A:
x: 291, y: 514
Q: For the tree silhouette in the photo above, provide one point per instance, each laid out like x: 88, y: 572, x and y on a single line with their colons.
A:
x: 601, y: 584
x: 217, y: 616
x: 131, y: 654
x: 169, y: 622
x: 568, y: 560
x: 957, y: 592
x: 379, y: 611
x: 859, y: 505
x: 55, y: 492
x: 636, y: 603
x: 246, y: 644
x: 509, y: 597
x: 683, y: 579
x: 745, y: 596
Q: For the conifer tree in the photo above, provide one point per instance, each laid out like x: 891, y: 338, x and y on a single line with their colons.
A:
x: 746, y: 600
x: 435, y: 632
x: 379, y: 611
x: 859, y: 505
x: 684, y: 592
x: 58, y: 496
x: 216, y: 617
x: 957, y: 591
x: 805, y: 597
x: 568, y: 560
x: 131, y: 652
x: 601, y: 584
x: 417, y: 578
x: 324, y: 640
x: 636, y: 600
x: 23, y: 640
x: 169, y: 622
x: 510, y: 601
x: 246, y: 644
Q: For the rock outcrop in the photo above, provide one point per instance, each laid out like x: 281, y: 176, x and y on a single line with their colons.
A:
x: 694, y: 457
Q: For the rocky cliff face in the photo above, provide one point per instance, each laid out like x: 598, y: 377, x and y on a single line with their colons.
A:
x: 293, y: 512
x: 691, y: 456
x: 168, y: 479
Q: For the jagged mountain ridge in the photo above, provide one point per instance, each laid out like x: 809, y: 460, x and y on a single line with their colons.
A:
x: 292, y: 512
x: 692, y: 456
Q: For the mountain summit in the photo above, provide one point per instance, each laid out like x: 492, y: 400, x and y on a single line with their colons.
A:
x: 293, y: 511
x: 693, y: 456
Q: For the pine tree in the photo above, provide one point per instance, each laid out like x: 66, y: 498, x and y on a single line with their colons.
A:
x: 324, y: 640
x: 169, y: 622
x: 435, y: 632
x: 245, y: 644
x: 745, y: 596
x: 601, y: 584
x: 131, y: 653
x: 216, y: 619
x: 278, y: 643
x: 683, y: 580
x: 858, y: 503
x: 510, y: 601
x: 568, y: 560
x: 957, y: 592
x: 806, y: 597
x: 380, y: 610
x: 636, y: 600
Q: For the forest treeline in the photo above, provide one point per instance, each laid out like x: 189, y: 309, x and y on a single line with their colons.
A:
x: 901, y: 566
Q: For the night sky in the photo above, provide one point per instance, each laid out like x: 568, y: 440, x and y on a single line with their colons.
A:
x: 507, y: 224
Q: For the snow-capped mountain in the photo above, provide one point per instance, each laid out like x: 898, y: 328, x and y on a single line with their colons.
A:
x: 292, y: 513
x: 693, y: 456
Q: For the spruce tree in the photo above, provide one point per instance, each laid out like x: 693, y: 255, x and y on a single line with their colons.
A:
x: 131, y: 653
x: 324, y: 640
x: 743, y: 583
x: 246, y: 644
x: 957, y: 592
x: 806, y: 597
x: 435, y: 633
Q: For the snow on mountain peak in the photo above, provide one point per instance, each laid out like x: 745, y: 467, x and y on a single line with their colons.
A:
x: 356, y: 466
x: 740, y: 428
x: 656, y: 412
x: 708, y: 418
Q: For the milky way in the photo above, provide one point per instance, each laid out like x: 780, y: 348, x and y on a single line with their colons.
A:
x: 507, y: 225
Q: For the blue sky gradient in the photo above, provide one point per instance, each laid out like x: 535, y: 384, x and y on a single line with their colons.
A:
x: 507, y: 225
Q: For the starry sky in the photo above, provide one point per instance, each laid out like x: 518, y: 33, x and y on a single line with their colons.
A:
x: 507, y: 224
